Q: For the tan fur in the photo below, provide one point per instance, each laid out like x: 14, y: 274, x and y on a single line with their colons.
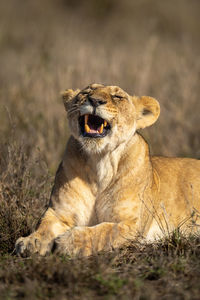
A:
x: 109, y: 190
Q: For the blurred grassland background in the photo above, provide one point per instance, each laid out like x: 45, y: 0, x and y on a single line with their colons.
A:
x: 147, y: 47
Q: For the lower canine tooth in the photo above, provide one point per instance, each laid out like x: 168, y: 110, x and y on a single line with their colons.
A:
x: 101, y: 129
x: 87, y: 128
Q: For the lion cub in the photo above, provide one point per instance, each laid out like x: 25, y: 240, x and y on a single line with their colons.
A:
x: 108, y: 190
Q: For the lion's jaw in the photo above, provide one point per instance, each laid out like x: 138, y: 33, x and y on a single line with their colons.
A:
x: 102, y: 127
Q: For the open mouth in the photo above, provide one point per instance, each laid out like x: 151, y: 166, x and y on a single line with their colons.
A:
x: 93, y: 126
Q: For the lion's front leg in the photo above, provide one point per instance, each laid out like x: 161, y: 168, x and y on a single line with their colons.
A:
x: 34, y: 243
x: 42, y: 239
x: 85, y: 241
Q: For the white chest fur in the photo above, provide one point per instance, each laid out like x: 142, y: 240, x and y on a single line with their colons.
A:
x: 105, y: 167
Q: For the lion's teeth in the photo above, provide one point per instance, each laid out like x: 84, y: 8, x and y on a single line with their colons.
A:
x: 101, y: 129
x: 86, y: 119
x: 105, y: 123
x: 87, y: 128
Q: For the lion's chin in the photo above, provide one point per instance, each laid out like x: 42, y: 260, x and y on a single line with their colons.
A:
x: 94, y: 146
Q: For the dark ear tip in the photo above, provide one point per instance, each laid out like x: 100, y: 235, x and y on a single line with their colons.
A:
x: 67, y: 94
x: 146, y: 112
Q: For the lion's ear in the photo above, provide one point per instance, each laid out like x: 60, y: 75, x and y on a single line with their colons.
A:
x: 147, y: 111
x: 67, y: 96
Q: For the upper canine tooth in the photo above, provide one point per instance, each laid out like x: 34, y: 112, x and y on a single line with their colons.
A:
x: 86, y: 119
x: 101, y: 128
x: 87, y: 128
x: 105, y: 123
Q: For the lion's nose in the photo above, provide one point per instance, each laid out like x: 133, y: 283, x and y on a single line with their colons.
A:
x: 96, y: 102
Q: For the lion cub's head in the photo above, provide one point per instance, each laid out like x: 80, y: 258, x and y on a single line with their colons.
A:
x: 102, y: 117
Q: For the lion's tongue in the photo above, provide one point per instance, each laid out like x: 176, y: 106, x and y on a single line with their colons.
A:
x: 92, y: 129
x: 98, y: 130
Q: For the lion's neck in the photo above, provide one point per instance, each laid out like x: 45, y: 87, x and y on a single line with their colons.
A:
x: 129, y: 156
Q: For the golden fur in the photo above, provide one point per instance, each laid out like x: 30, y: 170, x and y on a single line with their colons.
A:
x: 109, y: 190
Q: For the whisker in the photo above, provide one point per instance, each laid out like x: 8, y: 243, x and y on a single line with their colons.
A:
x: 72, y: 110
x: 74, y: 106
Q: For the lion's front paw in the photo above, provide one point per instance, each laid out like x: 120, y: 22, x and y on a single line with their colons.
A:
x: 34, y: 243
x: 74, y: 242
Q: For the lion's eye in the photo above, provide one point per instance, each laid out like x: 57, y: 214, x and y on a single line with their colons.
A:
x: 118, y: 97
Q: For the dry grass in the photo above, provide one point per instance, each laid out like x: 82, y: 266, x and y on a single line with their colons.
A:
x: 147, y: 47
x: 166, y: 270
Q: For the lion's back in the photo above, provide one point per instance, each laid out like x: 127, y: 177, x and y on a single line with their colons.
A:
x: 178, y: 186
x: 176, y: 167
